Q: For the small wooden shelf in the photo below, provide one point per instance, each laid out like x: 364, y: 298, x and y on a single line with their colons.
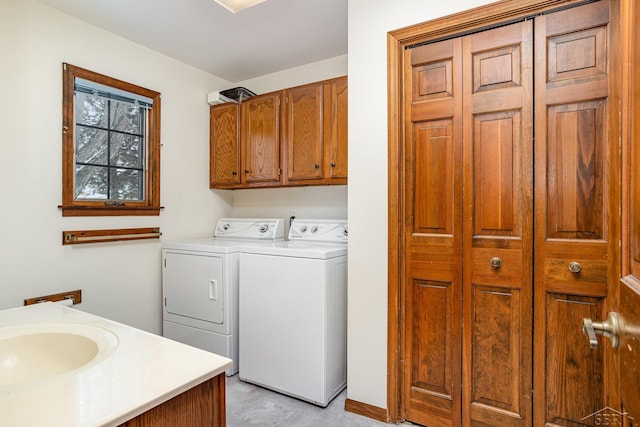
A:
x: 94, y: 236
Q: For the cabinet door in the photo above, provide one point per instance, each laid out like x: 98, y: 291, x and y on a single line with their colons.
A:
x: 224, y: 143
x: 261, y: 139
x: 335, y: 129
x: 304, y: 132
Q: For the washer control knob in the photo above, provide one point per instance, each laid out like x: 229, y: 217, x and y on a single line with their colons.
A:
x: 346, y: 231
x: 314, y: 228
x: 226, y: 226
x: 303, y: 229
x: 264, y: 228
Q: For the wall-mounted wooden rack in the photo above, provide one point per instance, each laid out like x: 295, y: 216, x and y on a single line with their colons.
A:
x: 95, y: 236
x: 74, y: 296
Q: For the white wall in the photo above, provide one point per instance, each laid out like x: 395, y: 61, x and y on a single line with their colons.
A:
x: 120, y: 281
x: 369, y: 22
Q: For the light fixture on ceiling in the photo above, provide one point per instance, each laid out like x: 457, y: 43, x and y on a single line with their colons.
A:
x: 238, y: 5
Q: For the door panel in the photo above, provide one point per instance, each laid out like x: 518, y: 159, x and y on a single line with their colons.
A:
x: 433, y: 207
x: 225, y: 144
x: 431, y: 378
x: 571, y: 364
x: 496, y: 336
x: 432, y: 302
x: 336, y: 114
x: 304, y: 132
x: 572, y: 248
x: 576, y: 151
x: 261, y: 138
x: 498, y: 235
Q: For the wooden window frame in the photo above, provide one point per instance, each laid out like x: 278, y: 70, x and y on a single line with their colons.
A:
x: 72, y: 207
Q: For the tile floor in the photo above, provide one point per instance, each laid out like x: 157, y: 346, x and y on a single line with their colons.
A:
x: 249, y: 405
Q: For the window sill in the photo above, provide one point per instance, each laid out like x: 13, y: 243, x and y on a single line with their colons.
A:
x: 110, y: 210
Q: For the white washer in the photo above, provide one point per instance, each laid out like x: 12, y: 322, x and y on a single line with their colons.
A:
x: 293, y: 312
x: 200, y: 285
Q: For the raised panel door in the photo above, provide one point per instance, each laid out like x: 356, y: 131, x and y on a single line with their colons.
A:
x: 260, y: 138
x: 574, y: 254
x: 304, y: 132
x: 335, y: 129
x: 498, y: 235
x: 224, y: 145
x: 432, y: 299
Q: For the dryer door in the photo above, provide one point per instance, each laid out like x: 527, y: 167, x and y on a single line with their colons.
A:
x: 193, y: 285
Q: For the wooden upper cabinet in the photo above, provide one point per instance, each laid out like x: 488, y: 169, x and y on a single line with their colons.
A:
x: 316, y: 133
x: 297, y: 136
x: 304, y: 132
x: 335, y: 129
x: 224, y: 141
x: 260, y: 138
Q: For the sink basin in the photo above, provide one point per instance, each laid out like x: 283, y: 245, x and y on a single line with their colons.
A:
x: 36, y: 352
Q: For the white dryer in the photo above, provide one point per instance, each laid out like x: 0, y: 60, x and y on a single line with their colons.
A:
x: 200, y: 284
x: 293, y: 312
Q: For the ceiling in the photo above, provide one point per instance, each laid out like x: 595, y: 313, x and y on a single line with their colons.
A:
x: 272, y: 36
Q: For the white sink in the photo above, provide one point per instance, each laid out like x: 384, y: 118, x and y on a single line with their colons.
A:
x: 39, y: 351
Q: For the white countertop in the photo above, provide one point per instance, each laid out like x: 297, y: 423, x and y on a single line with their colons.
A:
x: 142, y: 372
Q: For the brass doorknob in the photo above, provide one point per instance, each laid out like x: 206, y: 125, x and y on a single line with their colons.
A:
x: 496, y: 262
x: 575, y: 267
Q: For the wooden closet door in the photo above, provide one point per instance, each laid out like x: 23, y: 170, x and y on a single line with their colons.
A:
x: 498, y: 226
x: 432, y: 292
x: 576, y: 151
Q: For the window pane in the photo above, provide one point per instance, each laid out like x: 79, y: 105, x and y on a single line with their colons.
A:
x: 91, y: 182
x: 126, y: 151
x: 91, y: 110
x: 126, y: 117
x: 126, y: 184
x: 91, y: 146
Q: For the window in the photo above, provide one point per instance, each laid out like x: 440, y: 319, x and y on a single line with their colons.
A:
x: 111, y: 146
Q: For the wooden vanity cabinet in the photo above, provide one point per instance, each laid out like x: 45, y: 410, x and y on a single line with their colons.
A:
x: 202, y: 405
x: 302, y: 130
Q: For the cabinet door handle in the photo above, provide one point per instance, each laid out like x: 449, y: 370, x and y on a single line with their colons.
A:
x: 333, y: 165
x: 234, y: 173
x: 316, y: 166
x: 246, y: 171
